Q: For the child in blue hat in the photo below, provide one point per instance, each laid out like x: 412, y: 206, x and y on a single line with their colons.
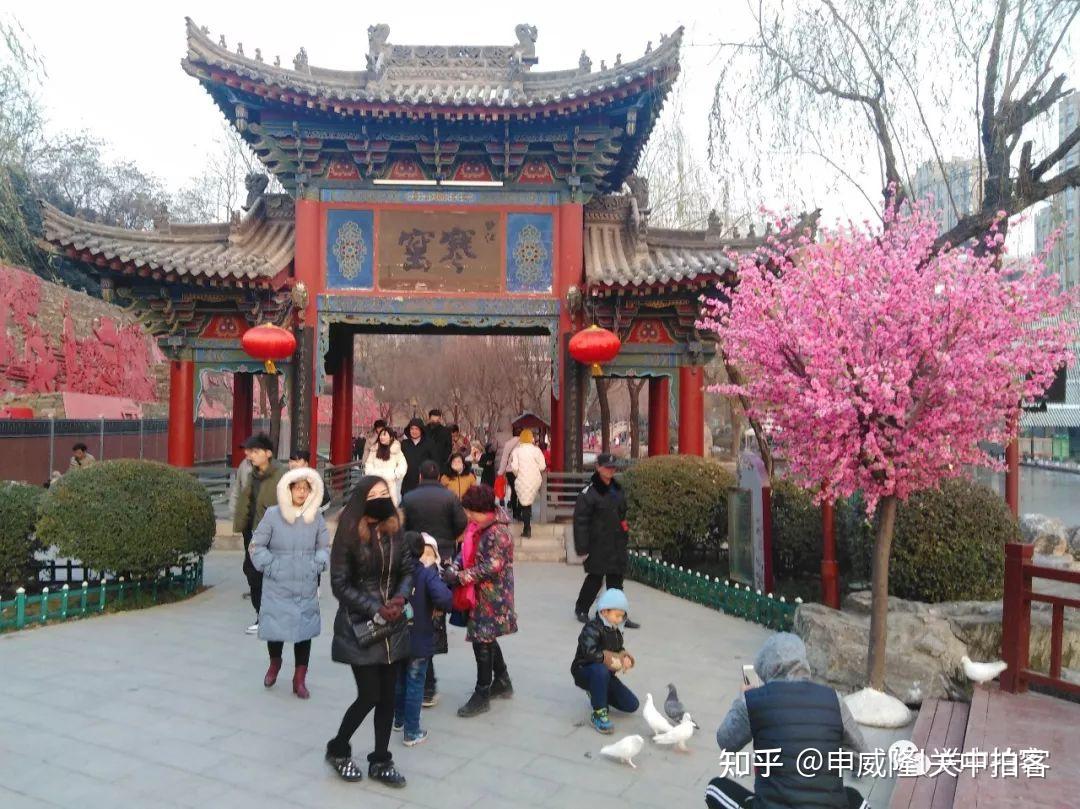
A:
x: 601, y: 656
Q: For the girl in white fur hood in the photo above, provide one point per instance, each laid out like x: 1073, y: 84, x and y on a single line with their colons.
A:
x: 291, y: 547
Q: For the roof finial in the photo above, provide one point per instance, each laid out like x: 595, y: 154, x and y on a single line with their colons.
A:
x: 240, y: 48
x: 752, y: 233
x: 277, y: 60
x: 205, y: 30
x: 258, y: 55
x: 584, y: 62
x: 713, y: 222
x: 618, y: 59
x: 648, y: 46
x: 663, y: 37
x: 525, y: 50
x: 221, y: 41
x: 300, y: 61
x: 603, y: 65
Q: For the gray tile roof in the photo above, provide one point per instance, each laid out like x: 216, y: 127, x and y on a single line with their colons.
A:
x: 458, y: 75
x: 255, y: 248
x: 620, y: 251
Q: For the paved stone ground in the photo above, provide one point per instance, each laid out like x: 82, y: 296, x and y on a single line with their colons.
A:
x: 165, y: 707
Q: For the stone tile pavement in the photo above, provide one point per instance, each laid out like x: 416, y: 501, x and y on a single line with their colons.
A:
x: 165, y: 707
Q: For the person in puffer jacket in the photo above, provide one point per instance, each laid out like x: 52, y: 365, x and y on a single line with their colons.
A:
x: 600, y: 656
x: 789, y: 713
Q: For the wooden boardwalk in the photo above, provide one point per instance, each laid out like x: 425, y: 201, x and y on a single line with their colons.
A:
x: 1000, y: 721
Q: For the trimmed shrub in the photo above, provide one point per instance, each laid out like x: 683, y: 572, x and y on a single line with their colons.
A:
x: 797, y: 531
x: 676, y: 501
x: 949, y: 544
x: 127, y: 516
x: 19, y: 504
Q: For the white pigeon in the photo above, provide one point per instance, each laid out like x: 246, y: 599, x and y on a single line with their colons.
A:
x: 624, y: 750
x: 657, y: 721
x: 678, y: 735
x: 982, y: 672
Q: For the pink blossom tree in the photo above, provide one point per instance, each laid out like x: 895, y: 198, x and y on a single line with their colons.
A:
x: 883, y: 362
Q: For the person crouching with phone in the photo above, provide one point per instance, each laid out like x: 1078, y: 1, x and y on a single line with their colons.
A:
x: 792, y: 714
x: 600, y: 657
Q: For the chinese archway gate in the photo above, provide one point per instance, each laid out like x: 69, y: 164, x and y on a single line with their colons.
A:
x: 437, y: 189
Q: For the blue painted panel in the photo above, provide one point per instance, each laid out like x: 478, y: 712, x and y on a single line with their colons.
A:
x: 529, y: 252
x: 349, y: 249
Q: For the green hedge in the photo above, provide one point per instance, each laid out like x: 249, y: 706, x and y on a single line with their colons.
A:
x: 127, y: 516
x: 949, y: 544
x: 676, y: 499
x: 19, y: 504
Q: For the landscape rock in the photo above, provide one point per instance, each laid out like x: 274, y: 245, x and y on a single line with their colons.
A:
x: 1073, y: 540
x: 925, y: 643
x: 1047, y: 534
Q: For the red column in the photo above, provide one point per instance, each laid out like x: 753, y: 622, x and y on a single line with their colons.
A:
x: 569, y: 271
x: 341, y: 420
x: 1016, y: 617
x: 182, y: 413
x: 830, y: 568
x: 659, y: 396
x: 307, y: 268
x: 691, y: 410
x: 242, y: 398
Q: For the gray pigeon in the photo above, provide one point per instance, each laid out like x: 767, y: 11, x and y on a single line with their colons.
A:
x: 673, y: 707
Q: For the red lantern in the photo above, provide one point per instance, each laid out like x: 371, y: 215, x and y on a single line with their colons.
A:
x: 593, y: 346
x: 269, y: 342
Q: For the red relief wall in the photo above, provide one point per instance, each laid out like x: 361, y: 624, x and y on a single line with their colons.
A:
x: 53, y: 339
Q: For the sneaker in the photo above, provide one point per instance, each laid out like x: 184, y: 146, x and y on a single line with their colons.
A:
x: 419, y: 738
x: 601, y: 721
x: 631, y: 624
x: 386, y: 773
x: 430, y: 700
x: 399, y: 727
x: 253, y: 629
x: 583, y: 617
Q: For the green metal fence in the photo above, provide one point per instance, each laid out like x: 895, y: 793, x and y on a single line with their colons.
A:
x: 742, y: 602
x: 50, y: 606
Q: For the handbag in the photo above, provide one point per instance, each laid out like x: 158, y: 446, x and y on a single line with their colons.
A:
x: 370, y: 632
x: 438, y: 626
x: 500, y: 486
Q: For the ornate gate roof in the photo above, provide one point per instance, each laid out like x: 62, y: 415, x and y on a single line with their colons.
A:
x: 475, y: 110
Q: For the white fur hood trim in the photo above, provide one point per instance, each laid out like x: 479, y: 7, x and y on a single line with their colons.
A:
x: 314, y: 499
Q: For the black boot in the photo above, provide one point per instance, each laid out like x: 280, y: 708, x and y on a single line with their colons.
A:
x: 386, y: 773
x: 339, y: 756
x: 526, y: 518
x: 480, y: 701
x: 501, y: 685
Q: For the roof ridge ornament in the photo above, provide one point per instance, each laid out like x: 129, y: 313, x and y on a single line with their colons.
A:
x: 378, y: 55
x: 584, y: 62
x: 300, y: 61
x: 525, y: 49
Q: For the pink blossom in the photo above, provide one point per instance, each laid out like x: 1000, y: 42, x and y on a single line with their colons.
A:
x: 882, y: 363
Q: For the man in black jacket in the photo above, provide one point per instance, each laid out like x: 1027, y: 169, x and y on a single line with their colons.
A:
x: 417, y: 448
x: 433, y: 509
x: 442, y: 443
x: 600, y: 535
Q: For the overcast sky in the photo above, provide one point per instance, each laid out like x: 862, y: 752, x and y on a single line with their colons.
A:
x: 114, y: 68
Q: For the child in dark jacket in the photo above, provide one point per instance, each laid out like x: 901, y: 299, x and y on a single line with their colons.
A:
x: 430, y: 593
x: 600, y: 656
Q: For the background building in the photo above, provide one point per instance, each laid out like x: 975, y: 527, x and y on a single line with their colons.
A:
x: 953, y: 192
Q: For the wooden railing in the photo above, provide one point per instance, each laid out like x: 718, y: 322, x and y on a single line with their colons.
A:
x: 1016, y: 621
x: 560, y: 493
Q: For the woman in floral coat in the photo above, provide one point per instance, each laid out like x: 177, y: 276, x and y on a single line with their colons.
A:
x: 488, y: 567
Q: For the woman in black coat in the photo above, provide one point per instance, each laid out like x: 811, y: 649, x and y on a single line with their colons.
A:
x: 371, y: 574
